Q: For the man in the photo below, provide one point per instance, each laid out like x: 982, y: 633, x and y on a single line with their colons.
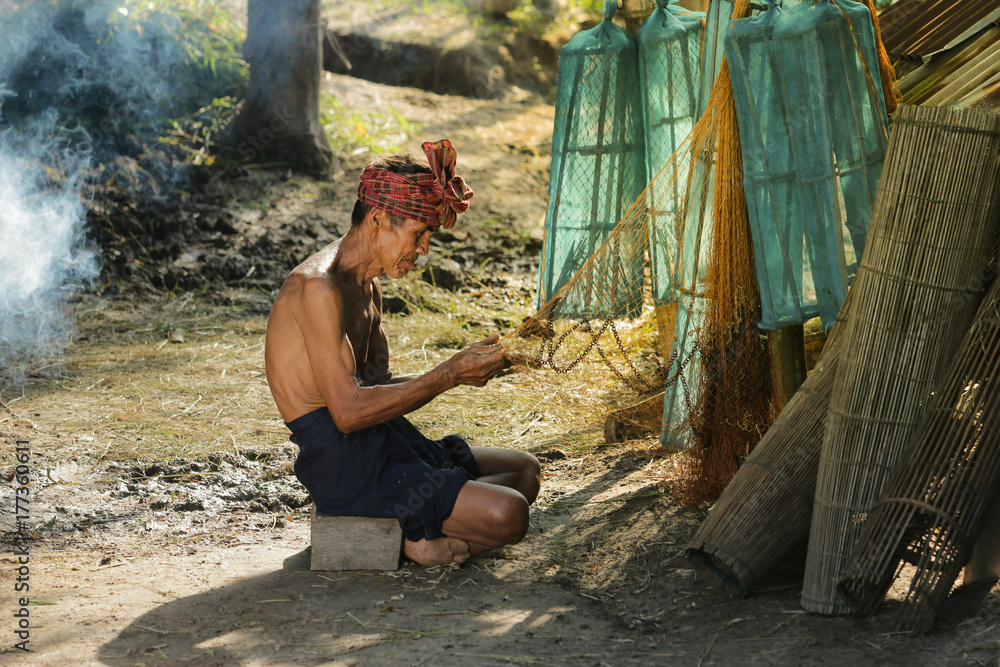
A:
x: 327, y: 364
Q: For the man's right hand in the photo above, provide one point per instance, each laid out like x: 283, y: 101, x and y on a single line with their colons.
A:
x: 479, y: 363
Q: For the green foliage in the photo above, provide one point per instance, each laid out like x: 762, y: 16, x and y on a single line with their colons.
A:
x: 352, y: 133
x: 209, y: 42
x: 527, y: 19
x: 593, y: 7
x: 193, y: 134
x: 207, y: 65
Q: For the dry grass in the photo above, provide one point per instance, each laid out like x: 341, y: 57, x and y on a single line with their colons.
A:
x: 179, y: 377
x: 160, y: 380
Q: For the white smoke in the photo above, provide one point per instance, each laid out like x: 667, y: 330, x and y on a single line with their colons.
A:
x: 43, y: 252
x: 50, y: 87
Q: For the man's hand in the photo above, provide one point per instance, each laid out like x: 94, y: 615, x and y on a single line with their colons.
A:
x: 479, y: 363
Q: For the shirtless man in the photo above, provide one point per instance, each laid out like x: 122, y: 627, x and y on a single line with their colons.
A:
x: 327, y: 364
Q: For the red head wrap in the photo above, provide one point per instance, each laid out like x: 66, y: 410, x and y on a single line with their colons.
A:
x: 434, y: 199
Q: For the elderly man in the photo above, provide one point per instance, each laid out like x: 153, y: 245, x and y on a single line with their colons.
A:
x: 327, y: 364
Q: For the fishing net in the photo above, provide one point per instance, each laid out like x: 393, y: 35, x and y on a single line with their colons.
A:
x: 598, y: 170
x: 720, y: 13
x: 695, y: 204
x: 813, y: 132
x: 669, y: 44
x: 696, y: 285
x: 938, y: 495
x: 933, y: 229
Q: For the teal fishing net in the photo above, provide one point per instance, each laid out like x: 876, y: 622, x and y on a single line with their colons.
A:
x: 720, y: 13
x: 598, y: 167
x: 813, y: 130
x: 669, y: 45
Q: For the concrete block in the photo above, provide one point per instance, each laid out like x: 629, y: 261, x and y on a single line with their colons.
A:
x: 354, y: 543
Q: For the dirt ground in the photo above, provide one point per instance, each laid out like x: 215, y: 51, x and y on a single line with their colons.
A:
x: 167, y: 528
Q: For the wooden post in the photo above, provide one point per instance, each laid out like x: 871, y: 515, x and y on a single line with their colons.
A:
x: 788, y: 353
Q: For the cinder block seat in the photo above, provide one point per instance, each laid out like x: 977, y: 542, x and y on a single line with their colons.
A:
x: 354, y: 542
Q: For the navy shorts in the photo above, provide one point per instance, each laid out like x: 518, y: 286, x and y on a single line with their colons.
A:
x: 387, y: 470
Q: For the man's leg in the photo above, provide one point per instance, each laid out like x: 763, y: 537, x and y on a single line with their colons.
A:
x: 485, y: 516
x: 489, y: 512
x: 511, y: 468
x: 493, y: 510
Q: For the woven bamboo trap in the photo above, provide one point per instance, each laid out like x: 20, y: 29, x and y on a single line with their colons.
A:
x: 939, y: 493
x: 933, y: 228
x: 764, y: 512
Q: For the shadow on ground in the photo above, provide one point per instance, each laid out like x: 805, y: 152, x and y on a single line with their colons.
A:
x: 443, y: 616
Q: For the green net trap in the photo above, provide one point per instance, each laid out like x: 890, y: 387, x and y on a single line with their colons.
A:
x: 669, y: 45
x: 598, y: 166
x: 813, y: 129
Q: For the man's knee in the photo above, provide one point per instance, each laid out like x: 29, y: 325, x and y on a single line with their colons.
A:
x: 531, y: 466
x: 510, y: 518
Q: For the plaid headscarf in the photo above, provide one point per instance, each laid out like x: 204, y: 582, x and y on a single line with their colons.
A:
x: 434, y: 199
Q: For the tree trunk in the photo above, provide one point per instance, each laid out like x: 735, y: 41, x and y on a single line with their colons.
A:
x: 279, y: 121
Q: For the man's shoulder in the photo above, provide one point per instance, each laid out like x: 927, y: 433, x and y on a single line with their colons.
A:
x: 310, y: 287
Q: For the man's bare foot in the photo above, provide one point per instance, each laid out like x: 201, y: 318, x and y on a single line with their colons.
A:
x: 441, y: 551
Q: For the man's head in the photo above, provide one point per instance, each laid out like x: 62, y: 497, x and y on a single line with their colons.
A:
x: 404, y: 164
x: 403, y: 187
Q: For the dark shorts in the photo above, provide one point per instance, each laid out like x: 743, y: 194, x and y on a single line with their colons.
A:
x: 388, y: 470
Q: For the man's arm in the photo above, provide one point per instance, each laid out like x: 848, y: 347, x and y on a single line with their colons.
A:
x: 319, y: 313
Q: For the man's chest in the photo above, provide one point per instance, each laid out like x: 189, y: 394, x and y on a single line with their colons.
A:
x: 360, y: 322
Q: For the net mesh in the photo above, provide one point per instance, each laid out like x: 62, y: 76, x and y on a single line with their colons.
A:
x: 680, y: 259
x: 669, y: 45
x: 720, y: 13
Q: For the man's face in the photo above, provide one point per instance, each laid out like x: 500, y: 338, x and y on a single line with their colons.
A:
x: 402, y: 244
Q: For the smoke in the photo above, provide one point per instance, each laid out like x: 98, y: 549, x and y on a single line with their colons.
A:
x: 43, y: 251
x: 81, y: 83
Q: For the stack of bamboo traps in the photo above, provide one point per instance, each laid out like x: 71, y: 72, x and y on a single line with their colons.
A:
x: 933, y: 228
x: 764, y: 513
x: 937, y: 498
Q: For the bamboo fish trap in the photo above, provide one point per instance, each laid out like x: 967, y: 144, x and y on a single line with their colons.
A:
x: 937, y: 498
x: 763, y: 514
x: 933, y: 228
